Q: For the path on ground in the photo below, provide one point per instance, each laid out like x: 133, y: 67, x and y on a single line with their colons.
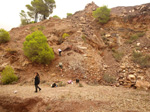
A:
x: 115, y: 99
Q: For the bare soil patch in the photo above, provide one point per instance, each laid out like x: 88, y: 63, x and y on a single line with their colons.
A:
x: 73, y: 98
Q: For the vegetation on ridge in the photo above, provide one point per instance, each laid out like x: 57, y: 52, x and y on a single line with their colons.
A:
x: 69, y: 14
x: 4, y: 36
x: 102, y: 14
x: 57, y: 17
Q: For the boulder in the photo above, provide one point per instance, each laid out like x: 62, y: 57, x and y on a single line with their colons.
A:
x: 122, y: 67
x: 81, y: 47
x: 26, y: 62
x: 131, y: 78
x: 108, y: 35
x: 82, y: 19
x: 4, y: 64
x: 53, y: 74
x: 142, y: 84
x: 138, y: 44
x: 15, y: 92
x: 145, y: 48
x: 140, y: 77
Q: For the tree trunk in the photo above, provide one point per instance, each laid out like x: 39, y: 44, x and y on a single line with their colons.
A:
x: 36, y: 17
x: 44, y: 17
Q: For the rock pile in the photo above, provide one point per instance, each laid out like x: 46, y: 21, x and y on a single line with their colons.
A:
x: 127, y: 81
x: 131, y: 75
x: 127, y: 11
x: 133, y: 81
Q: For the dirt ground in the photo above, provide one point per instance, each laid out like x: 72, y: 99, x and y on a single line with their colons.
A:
x: 73, y: 98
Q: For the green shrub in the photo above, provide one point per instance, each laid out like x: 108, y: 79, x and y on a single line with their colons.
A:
x: 102, y: 14
x: 26, y: 22
x: 117, y: 55
x: 69, y: 14
x: 113, y: 50
x: 80, y: 85
x: 83, y: 37
x: 140, y: 34
x: 137, y: 55
x: 36, y: 28
x: 32, y: 22
x: 57, y: 17
x: 61, y: 39
x: 61, y: 84
x: 109, y: 79
x: 4, y: 36
x: 65, y: 35
x: 37, y: 49
x: 141, y: 59
x: 11, y: 51
x: 134, y: 37
x: 8, y: 75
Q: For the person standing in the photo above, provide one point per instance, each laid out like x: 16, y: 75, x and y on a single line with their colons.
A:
x: 59, y: 50
x: 61, y: 66
x: 37, y: 82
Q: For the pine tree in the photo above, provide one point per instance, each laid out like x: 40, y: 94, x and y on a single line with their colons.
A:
x: 49, y: 5
x: 40, y: 7
x: 24, y: 18
x: 33, y: 9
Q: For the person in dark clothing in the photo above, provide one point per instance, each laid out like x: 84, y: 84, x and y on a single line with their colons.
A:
x: 37, y: 81
x: 77, y: 80
x: 53, y: 85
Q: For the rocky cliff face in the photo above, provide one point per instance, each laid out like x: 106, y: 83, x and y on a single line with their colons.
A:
x: 93, y: 52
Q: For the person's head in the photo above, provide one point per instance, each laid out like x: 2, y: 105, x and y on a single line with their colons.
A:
x: 36, y: 73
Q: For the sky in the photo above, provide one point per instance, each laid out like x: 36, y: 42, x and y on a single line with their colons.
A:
x: 10, y: 9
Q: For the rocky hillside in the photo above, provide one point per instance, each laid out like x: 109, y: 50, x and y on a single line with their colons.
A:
x: 93, y: 52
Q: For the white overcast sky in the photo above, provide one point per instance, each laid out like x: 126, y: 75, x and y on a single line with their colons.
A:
x: 10, y: 9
